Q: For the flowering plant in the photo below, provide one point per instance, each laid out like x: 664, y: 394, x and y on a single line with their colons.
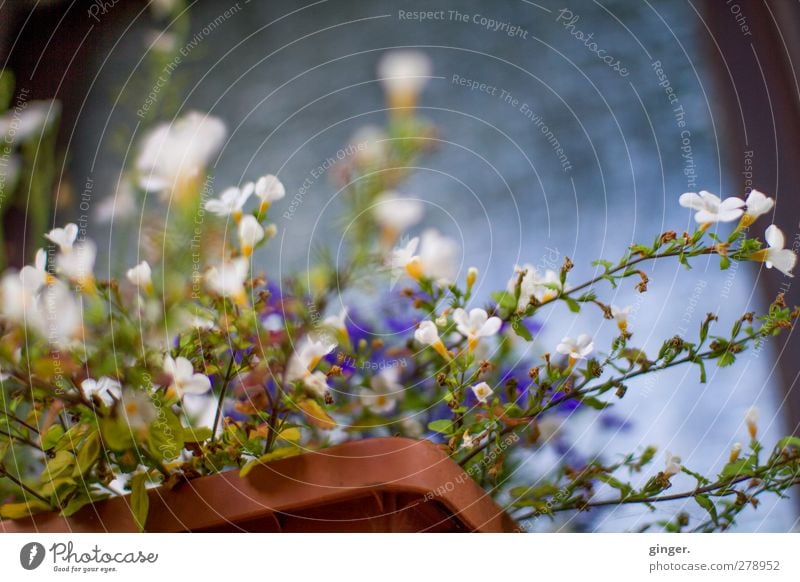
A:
x: 196, y: 362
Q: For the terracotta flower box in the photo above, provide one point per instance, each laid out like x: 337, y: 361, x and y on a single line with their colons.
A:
x: 373, y: 485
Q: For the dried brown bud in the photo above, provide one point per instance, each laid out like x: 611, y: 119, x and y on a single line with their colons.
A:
x: 668, y: 236
x: 534, y: 373
x: 642, y: 286
x: 780, y: 300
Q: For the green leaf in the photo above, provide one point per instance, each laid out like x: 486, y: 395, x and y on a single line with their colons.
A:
x: 624, y: 489
x: 705, y: 502
x: 52, y: 436
x: 739, y: 468
x: 442, y: 426
x: 140, y: 502
x: 61, y: 465
x: 88, y: 454
x: 166, y: 435
x: 592, y: 402
x: 788, y: 441
x: 573, y: 305
x: 726, y: 359
x: 78, y: 502
x: 116, y: 434
x: 196, y: 435
x: 520, y: 329
x: 279, y: 453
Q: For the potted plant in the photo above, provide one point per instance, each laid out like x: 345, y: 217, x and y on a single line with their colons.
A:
x: 200, y: 394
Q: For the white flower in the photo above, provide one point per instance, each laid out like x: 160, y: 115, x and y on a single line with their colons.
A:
x: 620, y: 315
x: 228, y: 279
x: 475, y: 325
x: 317, y: 383
x: 775, y: 255
x: 472, y: 276
x: 120, y: 206
x: 428, y: 335
x: 751, y: 420
x: 141, y: 276
x: 230, y: 202
x: 370, y: 144
x: 173, y: 156
x: 382, y: 396
x: 184, y: 379
x: 161, y: 41
x: 19, y: 125
x: 576, y: 349
x: 468, y: 441
x: 250, y: 234
x: 18, y: 301
x: 404, y: 74
x: 672, y: 465
x: 395, y: 214
x: 412, y: 427
x: 532, y: 285
x: 64, y: 238
x: 437, y: 258
x: 337, y: 322
x: 33, y: 277
x: 757, y: 204
x: 138, y: 410
x: 60, y: 318
x: 78, y: 264
x: 482, y: 391
x: 736, y: 450
x: 306, y: 357
x: 107, y: 389
x: 710, y: 208
x: 269, y: 189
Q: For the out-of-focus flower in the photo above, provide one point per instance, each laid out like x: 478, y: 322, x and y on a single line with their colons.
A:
x: 268, y: 189
x: 620, y: 315
x: 60, y: 317
x: 548, y: 287
x: 428, y: 335
x: 36, y: 275
x: 120, y: 206
x: 482, y: 392
x: 475, y: 325
x: 576, y: 349
x: 164, y: 8
x: 18, y: 301
x: 710, y: 208
x: 228, y: 279
x: 436, y: 259
x: 672, y: 465
x: 184, y: 379
x: 775, y: 255
x: 21, y: 124
x: 142, y: 276
x: 412, y: 427
x: 173, y: 156
x: 306, y: 357
x: 161, y: 41
x: 63, y: 238
x: 395, y: 214
x: 404, y: 74
x: 472, y: 276
x: 316, y: 383
x: 250, y: 234
x: 758, y: 204
x: 751, y: 420
x: 78, y: 264
x: 370, y: 144
x: 736, y: 450
x: 382, y: 396
x: 105, y: 388
x: 137, y: 409
x: 468, y: 441
x: 230, y: 202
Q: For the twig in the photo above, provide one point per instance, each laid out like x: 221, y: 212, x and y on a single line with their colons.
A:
x: 21, y: 485
x: 222, y: 394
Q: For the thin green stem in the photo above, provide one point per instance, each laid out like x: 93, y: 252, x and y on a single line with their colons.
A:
x: 223, y: 392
